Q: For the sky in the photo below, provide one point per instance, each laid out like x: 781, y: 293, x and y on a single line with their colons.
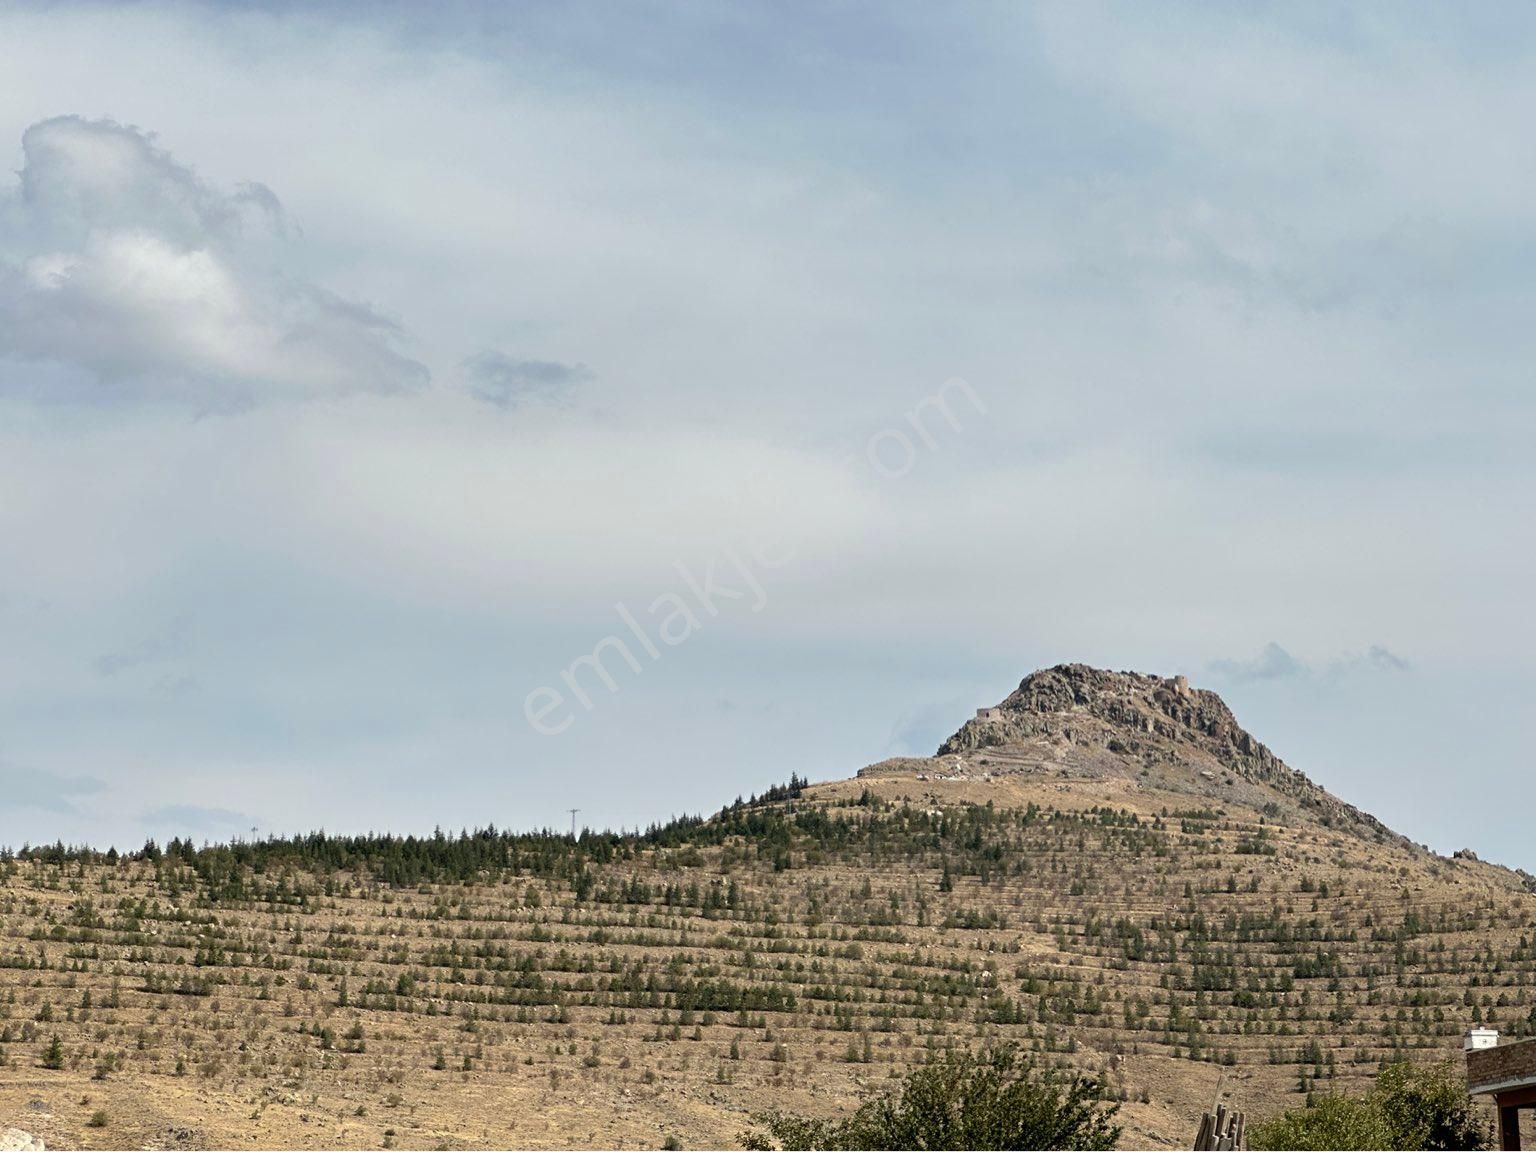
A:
x: 459, y: 414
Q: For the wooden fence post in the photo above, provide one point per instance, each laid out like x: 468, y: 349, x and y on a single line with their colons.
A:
x: 1223, y: 1132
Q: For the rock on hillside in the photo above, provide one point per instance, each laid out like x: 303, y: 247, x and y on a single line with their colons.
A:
x: 1078, y: 719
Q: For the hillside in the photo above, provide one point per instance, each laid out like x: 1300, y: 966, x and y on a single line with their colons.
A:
x: 1097, y: 724
x: 1107, y: 869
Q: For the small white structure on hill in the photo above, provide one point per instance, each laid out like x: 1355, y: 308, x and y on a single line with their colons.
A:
x: 989, y: 713
x: 1480, y: 1038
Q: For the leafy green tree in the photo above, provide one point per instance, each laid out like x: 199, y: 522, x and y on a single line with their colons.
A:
x: 1412, y: 1106
x: 1427, y: 1106
x: 986, y: 1101
x: 1330, y: 1122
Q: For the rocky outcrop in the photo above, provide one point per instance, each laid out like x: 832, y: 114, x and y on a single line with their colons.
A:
x: 15, y: 1140
x: 1150, y: 720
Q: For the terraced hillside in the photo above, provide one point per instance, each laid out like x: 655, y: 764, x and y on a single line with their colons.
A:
x: 1109, y: 871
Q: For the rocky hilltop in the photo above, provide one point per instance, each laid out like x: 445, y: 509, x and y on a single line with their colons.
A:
x: 1104, y: 869
x: 1077, y: 721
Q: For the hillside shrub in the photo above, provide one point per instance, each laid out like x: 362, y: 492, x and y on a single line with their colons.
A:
x: 1413, y: 1106
x: 982, y: 1101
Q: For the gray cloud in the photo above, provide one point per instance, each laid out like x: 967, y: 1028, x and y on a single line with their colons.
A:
x: 155, y: 648
x: 174, y: 685
x: 196, y: 818
x: 1375, y: 659
x: 117, y: 260
x: 45, y: 791
x: 1273, y: 663
x: 498, y: 379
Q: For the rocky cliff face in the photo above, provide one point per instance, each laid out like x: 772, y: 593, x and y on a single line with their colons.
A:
x: 1151, y: 723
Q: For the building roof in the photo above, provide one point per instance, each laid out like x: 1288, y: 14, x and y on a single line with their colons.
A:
x: 1502, y: 1069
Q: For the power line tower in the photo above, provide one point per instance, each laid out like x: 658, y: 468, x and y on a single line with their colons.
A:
x: 573, y: 812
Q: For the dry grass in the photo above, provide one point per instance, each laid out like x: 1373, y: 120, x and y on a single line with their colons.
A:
x: 1176, y: 956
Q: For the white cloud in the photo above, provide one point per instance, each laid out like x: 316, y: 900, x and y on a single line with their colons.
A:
x: 120, y: 261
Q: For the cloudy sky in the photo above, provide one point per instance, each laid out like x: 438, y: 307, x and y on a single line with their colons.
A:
x: 823, y: 368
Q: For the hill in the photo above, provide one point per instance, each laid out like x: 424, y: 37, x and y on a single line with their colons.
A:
x: 1174, y: 738
x: 1105, y: 868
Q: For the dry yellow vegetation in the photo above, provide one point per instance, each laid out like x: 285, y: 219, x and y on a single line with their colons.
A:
x: 793, y: 952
